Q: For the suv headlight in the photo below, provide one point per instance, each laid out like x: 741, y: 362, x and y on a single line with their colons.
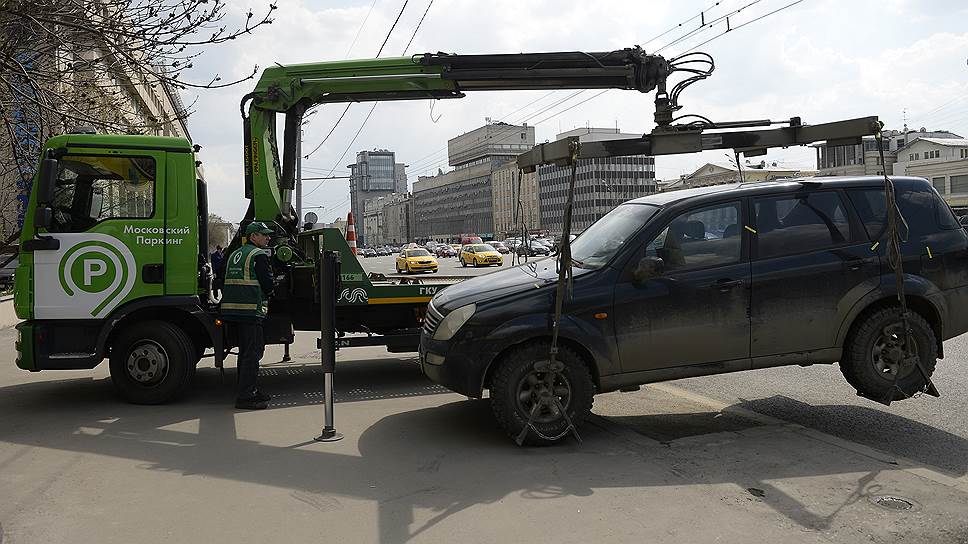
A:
x: 454, y: 321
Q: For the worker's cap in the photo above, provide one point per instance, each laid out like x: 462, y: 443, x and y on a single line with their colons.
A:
x: 258, y: 226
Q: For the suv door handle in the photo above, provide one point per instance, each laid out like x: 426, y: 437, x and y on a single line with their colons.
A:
x: 853, y: 265
x: 724, y: 285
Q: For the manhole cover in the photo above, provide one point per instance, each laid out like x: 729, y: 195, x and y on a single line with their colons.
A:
x: 891, y: 502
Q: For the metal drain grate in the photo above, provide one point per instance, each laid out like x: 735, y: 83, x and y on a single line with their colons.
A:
x: 891, y: 502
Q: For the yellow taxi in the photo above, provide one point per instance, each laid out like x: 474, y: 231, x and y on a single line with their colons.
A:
x: 480, y: 255
x: 415, y: 260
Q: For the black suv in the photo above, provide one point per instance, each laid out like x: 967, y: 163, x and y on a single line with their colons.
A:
x: 707, y: 281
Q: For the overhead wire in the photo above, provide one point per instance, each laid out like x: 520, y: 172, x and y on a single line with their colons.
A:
x: 360, y: 29
x: 382, y: 46
x: 728, y: 30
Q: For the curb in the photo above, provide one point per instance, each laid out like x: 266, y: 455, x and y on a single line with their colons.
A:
x: 904, y: 464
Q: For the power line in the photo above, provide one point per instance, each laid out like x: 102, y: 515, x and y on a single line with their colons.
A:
x: 693, y: 18
x: 373, y: 107
x: 706, y: 26
x: 728, y: 30
x: 385, y: 40
x: 359, y: 30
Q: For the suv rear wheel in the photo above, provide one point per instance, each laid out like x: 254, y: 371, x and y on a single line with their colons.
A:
x: 873, y: 355
x: 517, y: 387
x: 152, y: 362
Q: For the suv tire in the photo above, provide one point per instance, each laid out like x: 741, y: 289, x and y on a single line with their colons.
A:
x: 162, y: 371
x: 867, y: 363
x: 511, y: 382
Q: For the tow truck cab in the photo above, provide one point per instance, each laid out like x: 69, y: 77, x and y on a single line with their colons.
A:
x: 115, y: 233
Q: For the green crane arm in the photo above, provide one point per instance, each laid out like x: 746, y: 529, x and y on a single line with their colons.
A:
x: 293, y: 89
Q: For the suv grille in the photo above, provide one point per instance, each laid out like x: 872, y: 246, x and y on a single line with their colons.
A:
x: 431, y: 320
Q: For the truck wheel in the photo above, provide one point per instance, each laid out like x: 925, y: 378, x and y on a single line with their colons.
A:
x: 152, y: 362
x: 516, y: 386
x: 873, y: 355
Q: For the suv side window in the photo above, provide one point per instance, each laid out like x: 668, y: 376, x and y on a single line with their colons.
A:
x: 871, y: 207
x: 700, y: 238
x: 800, y: 223
x: 922, y: 209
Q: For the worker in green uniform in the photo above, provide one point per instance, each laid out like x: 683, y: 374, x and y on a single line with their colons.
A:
x: 245, y: 302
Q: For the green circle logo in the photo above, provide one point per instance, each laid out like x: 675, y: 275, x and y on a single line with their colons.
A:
x: 93, y: 272
x: 98, y: 269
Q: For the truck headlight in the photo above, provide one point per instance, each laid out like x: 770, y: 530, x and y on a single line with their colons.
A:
x: 454, y: 321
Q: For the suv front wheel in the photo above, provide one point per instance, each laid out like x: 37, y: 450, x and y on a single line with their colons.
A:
x: 873, y: 355
x: 517, y: 387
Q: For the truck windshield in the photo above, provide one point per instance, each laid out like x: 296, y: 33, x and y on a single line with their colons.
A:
x: 601, y: 241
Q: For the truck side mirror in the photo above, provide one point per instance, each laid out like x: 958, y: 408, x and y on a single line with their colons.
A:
x: 47, y: 181
x: 648, y: 267
x: 43, y: 217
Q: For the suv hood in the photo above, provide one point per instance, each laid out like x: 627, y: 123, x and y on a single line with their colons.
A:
x: 499, y: 284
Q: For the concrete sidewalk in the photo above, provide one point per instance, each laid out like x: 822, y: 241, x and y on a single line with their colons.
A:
x: 420, y: 464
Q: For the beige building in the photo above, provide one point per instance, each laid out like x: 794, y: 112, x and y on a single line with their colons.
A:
x: 865, y: 159
x: 942, y: 161
x: 388, y: 219
x: 514, y: 200
x: 720, y: 173
x: 398, y: 219
x: 112, y: 95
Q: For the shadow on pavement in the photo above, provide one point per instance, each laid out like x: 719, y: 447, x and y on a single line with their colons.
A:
x: 445, y: 458
x: 934, y: 447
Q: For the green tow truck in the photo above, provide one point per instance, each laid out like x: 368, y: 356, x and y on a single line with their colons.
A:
x: 114, y: 246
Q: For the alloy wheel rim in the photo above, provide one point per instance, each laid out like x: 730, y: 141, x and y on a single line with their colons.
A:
x: 540, y: 388
x: 887, y: 353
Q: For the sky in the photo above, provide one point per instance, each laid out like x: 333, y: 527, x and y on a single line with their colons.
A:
x: 822, y: 60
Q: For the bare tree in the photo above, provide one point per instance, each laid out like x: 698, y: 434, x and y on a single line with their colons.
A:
x: 115, y: 65
x: 220, y: 231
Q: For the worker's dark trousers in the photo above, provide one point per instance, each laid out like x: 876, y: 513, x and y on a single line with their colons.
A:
x: 251, y: 348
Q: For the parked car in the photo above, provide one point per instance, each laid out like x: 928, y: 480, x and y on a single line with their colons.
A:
x: 444, y: 250
x: 533, y: 249
x: 369, y: 252
x: 500, y: 247
x: 415, y: 260
x: 480, y: 255
x: 798, y: 276
x: 7, y: 271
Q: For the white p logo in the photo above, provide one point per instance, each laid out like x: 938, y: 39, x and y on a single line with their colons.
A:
x: 93, y: 268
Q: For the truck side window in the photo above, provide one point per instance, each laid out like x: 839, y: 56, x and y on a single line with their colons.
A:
x: 700, y: 239
x: 93, y: 188
x: 799, y: 224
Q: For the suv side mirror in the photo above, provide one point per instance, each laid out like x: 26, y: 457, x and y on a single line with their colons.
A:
x: 648, y: 267
x: 47, y: 181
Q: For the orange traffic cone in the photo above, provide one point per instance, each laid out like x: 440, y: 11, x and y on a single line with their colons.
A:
x: 351, y: 232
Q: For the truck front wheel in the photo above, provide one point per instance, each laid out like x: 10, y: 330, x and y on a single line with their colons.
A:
x: 152, y: 362
x: 518, y: 390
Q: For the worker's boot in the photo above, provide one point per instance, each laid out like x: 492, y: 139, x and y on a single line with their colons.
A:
x: 251, y: 403
x: 263, y: 396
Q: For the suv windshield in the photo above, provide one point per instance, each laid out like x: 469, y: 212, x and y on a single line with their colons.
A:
x: 601, y: 241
